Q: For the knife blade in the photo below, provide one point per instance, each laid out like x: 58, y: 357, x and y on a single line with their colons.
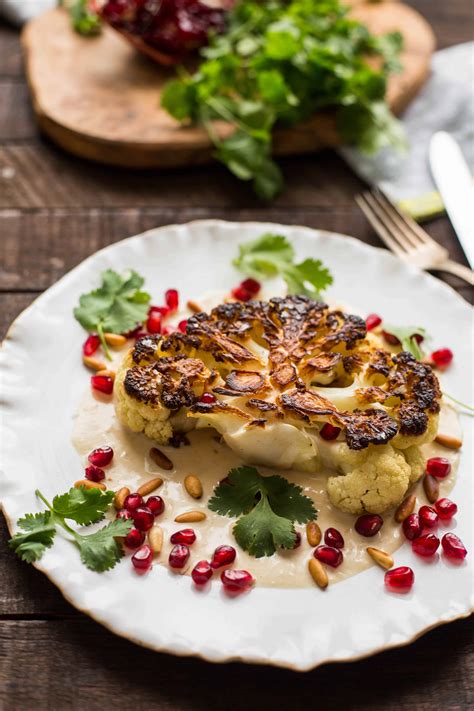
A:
x: 454, y: 181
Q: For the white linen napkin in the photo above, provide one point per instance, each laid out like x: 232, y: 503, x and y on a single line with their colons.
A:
x: 19, y: 11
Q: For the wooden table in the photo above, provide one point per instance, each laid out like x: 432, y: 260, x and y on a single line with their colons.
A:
x: 55, y: 210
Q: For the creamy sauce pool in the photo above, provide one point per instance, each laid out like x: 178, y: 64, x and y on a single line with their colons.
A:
x: 96, y: 425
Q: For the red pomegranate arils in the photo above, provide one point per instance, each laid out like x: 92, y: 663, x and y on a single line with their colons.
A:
x: 334, y: 538
x: 132, y: 502
x: 442, y: 357
x: 186, y: 536
x: 201, y: 573
x: 208, y: 398
x: 391, y: 339
x: 91, y: 344
x: 172, y: 299
x: 368, y: 525
x: 134, y: 538
x: 329, y: 556
x: 329, y: 432
x: 101, y: 456
x: 399, y: 579
x: 438, y: 467
x: 143, y: 518
x: 153, y: 322
x: 372, y: 321
x: 446, y: 509
x: 142, y: 558
x: 179, y: 556
x: 236, y: 581
x: 182, y: 325
x: 251, y: 285
x: 223, y: 555
x: 155, y: 504
x: 428, y: 517
x: 241, y: 294
x: 94, y: 473
x: 162, y: 310
x: 453, y: 547
x: 412, y: 527
x: 426, y: 545
x: 102, y: 383
x: 297, y: 542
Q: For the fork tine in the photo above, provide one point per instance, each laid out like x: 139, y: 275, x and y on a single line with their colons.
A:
x: 418, y: 232
x: 378, y: 226
x: 396, y: 221
x: 397, y: 233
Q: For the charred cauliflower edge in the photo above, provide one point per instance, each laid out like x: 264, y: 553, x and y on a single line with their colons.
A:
x: 295, y: 361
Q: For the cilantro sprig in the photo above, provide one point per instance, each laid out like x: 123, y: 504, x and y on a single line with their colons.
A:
x: 99, y: 551
x: 268, y: 506
x: 84, y: 19
x: 117, y: 306
x: 273, y: 255
x: 278, y: 63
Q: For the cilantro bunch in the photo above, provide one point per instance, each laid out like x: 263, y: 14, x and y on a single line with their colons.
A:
x: 268, y: 506
x: 99, y: 551
x: 280, y: 62
x: 272, y: 255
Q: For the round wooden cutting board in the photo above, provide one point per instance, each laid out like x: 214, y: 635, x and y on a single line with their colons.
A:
x: 99, y: 99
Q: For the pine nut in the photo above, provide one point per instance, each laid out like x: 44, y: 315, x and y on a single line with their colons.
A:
x: 120, y: 497
x: 107, y: 373
x: 160, y: 458
x: 431, y: 487
x: 318, y: 573
x: 194, y: 307
x: 193, y: 486
x: 93, y: 363
x: 89, y: 484
x: 149, y: 486
x: 190, y: 517
x: 115, y: 340
x: 381, y: 558
x: 313, y: 534
x: 448, y: 441
x: 155, y: 539
x: 405, y: 509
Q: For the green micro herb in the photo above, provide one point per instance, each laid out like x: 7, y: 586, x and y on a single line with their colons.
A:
x: 272, y: 255
x: 117, y: 306
x: 83, y: 18
x: 278, y: 63
x: 268, y: 506
x: 99, y: 551
x: 407, y: 337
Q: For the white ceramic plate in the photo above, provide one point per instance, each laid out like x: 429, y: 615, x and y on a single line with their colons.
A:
x: 42, y: 382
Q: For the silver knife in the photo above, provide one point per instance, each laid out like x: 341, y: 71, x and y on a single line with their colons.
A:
x: 454, y: 181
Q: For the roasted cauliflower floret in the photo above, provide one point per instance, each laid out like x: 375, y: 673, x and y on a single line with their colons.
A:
x: 274, y: 373
x: 378, y: 481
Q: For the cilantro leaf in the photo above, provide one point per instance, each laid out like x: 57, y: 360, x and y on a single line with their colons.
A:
x: 268, y: 506
x: 84, y: 20
x: 117, y: 306
x: 39, y: 535
x: 100, y: 551
x: 407, y: 337
x: 273, y: 255
x: 84, y: 506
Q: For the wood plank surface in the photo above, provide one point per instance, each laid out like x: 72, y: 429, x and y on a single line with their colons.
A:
x: 54, y: 211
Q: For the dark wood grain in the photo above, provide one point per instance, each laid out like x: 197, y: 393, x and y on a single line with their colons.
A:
x: 54, y: 211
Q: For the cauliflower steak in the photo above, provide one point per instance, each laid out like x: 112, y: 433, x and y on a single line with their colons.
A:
x: 272, y: 375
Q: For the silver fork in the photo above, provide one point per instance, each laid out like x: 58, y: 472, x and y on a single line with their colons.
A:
x: 406, y: 238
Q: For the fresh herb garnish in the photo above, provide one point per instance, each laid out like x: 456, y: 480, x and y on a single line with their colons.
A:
x: 272, y: 255
x: 279, y: 63
x: 99, y: 551
x: 268, y: 506
x: 407, y: 337
x: 117, y: 306
x: 83, y: 18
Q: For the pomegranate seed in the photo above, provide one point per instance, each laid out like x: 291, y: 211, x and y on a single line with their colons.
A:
x: 223, y: 555
x: 333, y: 538
x: 426, y: 545
x: 91, y: 344
x: 368, y: 524
x: 182, y: 325
x: 372, y: 321
x: 241, y: 294
x: 132, y: 502
x: 94, y: 473
x: 101, y: 456
x: 391, y: 339
x: 453, y: 547
x: 297, y: 542
x: 251, y: 285
x: 185, y: 536
x: 201, y: 573
x: 329, y: 556
x: 123, y: 513
x: 162, y: 310
x: 143, y: 518
x: 172, y: 299
x: 153, y: 322
x: 329, y: 432
x: 141, y: 334
x: 179, y: 556
x: 155, y: 504
x: 207, y: 398
x: 399, y: 579
x: 134, y: 538
x: 446, y: 509
x: 236, y: 580
x: 412, y: 527
x: 142, y: 558
x: 438, y: 467
x: 134, y: 332
x: 442, y: 357
x: 102, y: 383
x: 428, y: 517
